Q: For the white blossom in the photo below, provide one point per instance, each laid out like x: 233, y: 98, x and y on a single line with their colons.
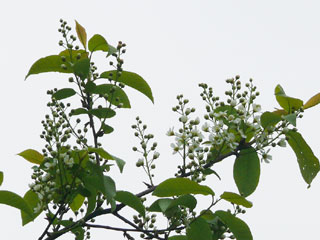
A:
x: 170, y: 132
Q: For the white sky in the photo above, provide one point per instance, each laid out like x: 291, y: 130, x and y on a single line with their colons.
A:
x: 174, y: 45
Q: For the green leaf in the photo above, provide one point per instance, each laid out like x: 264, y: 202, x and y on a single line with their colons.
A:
x: 179, y: 237
x: 120, y: 163
x: 130, y: 79
x: 236, y: 199
x: 111, y: 50
x: 131, y: 200
x: 79, y: 111
x: 51, y: 63
x: 1, y: 178
x: 246, y: 171
x: 98, y: 43
x: 64, y: 93
x: 238, y: 227
x: 287, y: 103
x: 32, y: 156
x: 106, y: 128
x: 291, y: 118
x: 180, y: 186
x: 315, y: 100
x: 82, y: 68
x: 308, y: 162
x: 115, y: 94
x: 101, y: 152
x: 269, y: 119
x: 82, y: 35
x: 188, y: 201
x: 14, y: 200
x: 209, y: 171
x: 31, y: 198
x: 160, y: 205
x: 90, y: 86
x: 103, y: 113
x: 199, y: 230
x: 77, y: 202
x: 77, y: 231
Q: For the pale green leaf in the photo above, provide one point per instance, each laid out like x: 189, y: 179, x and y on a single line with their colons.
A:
x: 32, y: 156
x: 236, y: 199
x: 82, y: 35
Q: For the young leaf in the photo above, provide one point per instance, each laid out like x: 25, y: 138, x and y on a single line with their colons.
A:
x: 51, y: 63
x: 32, y: 156
x: 269, y: 119
x: 120, y: 163
x: 31, y: 198
x: 14, y: 200
x: 82, y: 35
x: 236, y: 199
x: 180, y: 186
x: 238, y: 227
x: 308, y: 162
x: 103, y: 112
x: 106, y: 128
x: 78, y: 111
x: 315, y: 100
x: 98, y: 43
x: 288, y: 103
x: 246, y: 171
x: 1, y: 178
x: 115, y: 94
x: 82, y: 68
x: 130, y: 79
x: 77, y: 202
x: 131, y: 200
x: 199, y: 230
x: 102, y: 153
x: 64, y: 93
x: 291, y: 118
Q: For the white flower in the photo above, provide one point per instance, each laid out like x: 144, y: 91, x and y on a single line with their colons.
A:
x: 205, y: 127
x: 68, y: 161
x: 266, y: 157
x: 31, y: 185
x: 37, y: 187
x: 170, y: 132
x: 241, y: 108
x: 40, y: 196
x: 256, y: 107
x: 48, y: 165
x: 176, y: 147
x: 233, y: 103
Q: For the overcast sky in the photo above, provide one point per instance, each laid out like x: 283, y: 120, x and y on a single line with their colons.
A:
x: 174, y: 45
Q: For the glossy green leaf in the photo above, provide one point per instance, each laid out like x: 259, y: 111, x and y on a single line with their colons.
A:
x: 77, y: 202
x: 78, y: 111
x: 308, y: 162
x: 287, y: 103
x: 1, y: 178
x: 103, y: 113
x: 291, y: 118
x: 31, y: 198
x: 32, y: 156
x: 51, y: 63
x: 199, y: 230
x: 246, y: 171
x: 115, y: 94
x: 64, y: 93
x: 82, y: 35
x: 106, y: 128
x: 179, y: 237
x: 98, y: 43
x: 130, y: 79
x: 131, y: 200
x: 82, y: 68
x: 180, y: 186
x: 269, y: 119
x: 238, y: 227
x: 236, y: 199
x: 315, y: 100
x: 14, y: 200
